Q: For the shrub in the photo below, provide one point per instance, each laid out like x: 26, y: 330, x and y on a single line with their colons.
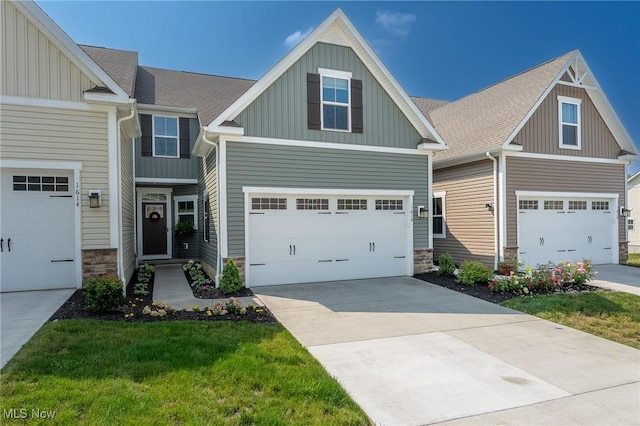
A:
x: 474, y: 272
x: 144, y: 274
x: 231, y: 280
x: 199, y: 280
x: 103, y: 293
x: 446, y: 267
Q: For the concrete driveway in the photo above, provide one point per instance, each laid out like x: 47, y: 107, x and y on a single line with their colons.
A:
x: 618, y: 277
x: 22, y: 314
x: 412, y: 353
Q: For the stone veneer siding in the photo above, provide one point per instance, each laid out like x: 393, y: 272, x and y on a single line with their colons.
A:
x: 510, y: 253
x: 623, y: 252
x: 422, y: 261
x: 97, y: 262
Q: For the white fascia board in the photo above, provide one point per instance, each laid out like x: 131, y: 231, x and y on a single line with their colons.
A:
x: 324, y: 191
x: 466, y: 158
x: 564, y: 194
x: 225, y: 130
x: 180, y: 111
x: 167, y: 181
x: 68, y: 46
x: 104, y: 98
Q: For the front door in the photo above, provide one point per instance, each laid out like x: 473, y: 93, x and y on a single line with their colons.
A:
x: 154, y: 238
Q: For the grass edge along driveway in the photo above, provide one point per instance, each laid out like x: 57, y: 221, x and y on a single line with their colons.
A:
x: 609, y: 314
x: 180, y: 372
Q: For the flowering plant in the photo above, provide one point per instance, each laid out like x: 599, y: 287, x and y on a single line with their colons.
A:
x: 547, y: 276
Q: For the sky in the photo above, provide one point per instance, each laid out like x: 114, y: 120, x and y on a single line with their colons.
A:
x: 440, y: 50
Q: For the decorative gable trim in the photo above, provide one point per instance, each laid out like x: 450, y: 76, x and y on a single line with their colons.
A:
x: 71, y: 49
x: 337, y: 29
x: 579, y: 74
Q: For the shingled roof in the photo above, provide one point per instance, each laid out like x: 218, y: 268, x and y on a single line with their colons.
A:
x: 485, y: 119
x: 120, y: 65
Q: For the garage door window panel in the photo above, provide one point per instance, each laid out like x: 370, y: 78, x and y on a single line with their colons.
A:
x: 600, y: 205
x: 577, y: 205
x: 389, y: 205
x: 312, y: 204
x: 528, y: 205
x: 349, y: 204
x: 268, y: 203
x: 41, y: 183
x: 553, y: 205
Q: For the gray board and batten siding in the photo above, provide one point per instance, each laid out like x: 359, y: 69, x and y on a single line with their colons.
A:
x: 169, y: 168
x: 469, y: 223
x: 541, y: 132
x: 281, y: 110
x: 528, y: 174
x: 301, y: 167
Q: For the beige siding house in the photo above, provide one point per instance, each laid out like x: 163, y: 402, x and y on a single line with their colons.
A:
x: 633, y: 221
x: 63, y: 135
x: 535, y: 169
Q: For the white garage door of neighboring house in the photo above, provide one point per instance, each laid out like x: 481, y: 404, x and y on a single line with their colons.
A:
x: 37, y: 229
x: 567, y: 228
x: 310, y: 238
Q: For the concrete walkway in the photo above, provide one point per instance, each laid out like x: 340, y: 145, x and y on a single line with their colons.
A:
x: 618, y: 277
x: 171, y: 286
x: 412, y: 353
x: 22, y: 314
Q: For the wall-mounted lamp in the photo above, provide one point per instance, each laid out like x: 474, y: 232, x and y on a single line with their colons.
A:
x: 423, y: 212
x: 489, y: 207
x: 625, y: 212
x: 94, y: 199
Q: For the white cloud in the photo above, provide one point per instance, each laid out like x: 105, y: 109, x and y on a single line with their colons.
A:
x: 294, y: 38
x: 396, y: 23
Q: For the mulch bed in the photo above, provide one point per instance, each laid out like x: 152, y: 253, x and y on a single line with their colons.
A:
x: 215, y: 293
x: 76, y: 308
x: 483, y: 292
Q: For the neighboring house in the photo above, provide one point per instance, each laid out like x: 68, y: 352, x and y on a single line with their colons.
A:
x: 535, y: 169
x: 66, y: 129
x: 633, y: 221
x: 319, y: 170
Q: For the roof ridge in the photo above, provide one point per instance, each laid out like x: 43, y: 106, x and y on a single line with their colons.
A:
x: 198, y: 73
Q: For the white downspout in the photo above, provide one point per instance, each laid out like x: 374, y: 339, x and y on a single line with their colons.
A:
x: 495, y: 210
x: 119, y: 185
x: 218, y: 257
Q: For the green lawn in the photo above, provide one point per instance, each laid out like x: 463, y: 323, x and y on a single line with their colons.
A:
x: 180, y: 372
x: 634, y: 259
x: 612, y: 315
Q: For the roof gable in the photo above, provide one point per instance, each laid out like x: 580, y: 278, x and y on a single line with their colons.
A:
x: 69, y: 48
x: 120, y: 65
x: 489, y: 119
x: 336, y: 29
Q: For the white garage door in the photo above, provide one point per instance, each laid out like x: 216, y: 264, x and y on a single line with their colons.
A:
x: 568, y: 228
x: 37, y: 230
x: 310, y: 238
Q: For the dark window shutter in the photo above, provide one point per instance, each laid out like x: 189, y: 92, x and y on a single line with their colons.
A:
x: 357, y: 125
x: 313, y: 101
x: 185, y: 139
x: 147, y: 135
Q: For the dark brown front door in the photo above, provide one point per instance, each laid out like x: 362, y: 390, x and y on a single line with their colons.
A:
x: 154, y: 229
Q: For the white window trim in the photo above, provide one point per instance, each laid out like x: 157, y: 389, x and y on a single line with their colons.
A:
x: 443, y: 195
x: 577, y: 103
x: 176, y: 213
x: 153, y: 131
x: 631, y: 224
x: 344, y: 75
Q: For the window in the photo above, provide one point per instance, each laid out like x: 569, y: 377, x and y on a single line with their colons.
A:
x: 312, y: 204
x: 268, y: 203
x: 165, y: 137
x: 352, y: 204
x: 335, y: 98
x: 438, y: 221
x: 388, y: 204
x: 553, y: 204
x: 569, y: 116
x: 600, y: 205
x: 577, y: 205
x: 630, y: 224
x: 41, y: 183
x: 186, y: 209
x: 528, y: 204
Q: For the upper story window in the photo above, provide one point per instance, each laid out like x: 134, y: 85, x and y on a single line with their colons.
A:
x: 165, y: 136
x: 569, y: 118
x: 334, y: 101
